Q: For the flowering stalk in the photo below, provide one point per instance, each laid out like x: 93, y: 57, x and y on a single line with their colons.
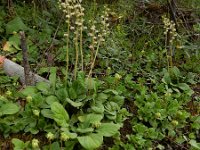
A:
x: 67, y: 49
x: 74, y: 19
x: 171, y: 34
x: 98, y: 37
x: 81, y: 37
x: 92, y: 65
x: 77, y: 53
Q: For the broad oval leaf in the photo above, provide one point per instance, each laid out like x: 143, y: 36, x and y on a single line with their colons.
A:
x: 15, y: 25
x: 47, y: 113
x: 90, y: 118
x: 9, y: 109
x: 194, y: 144
x: 29, y: 91
x: 72, y: 93
x: 108, y: 129
x: 43, y: 86
x: 55, y: 146
x: 51, y: 99
x: 98, y: 108
x: 18, y: 144
x: 60, y: 115
x: 91, y: 141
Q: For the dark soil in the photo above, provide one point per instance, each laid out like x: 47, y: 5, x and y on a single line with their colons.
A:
x: 6, y: 143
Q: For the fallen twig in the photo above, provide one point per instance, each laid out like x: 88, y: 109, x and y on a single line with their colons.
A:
x: 13, y: 69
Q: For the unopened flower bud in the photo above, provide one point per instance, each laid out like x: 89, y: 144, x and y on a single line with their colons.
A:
x: 35, y: 143
x: 64, y: 136
x: 36, y: 112
x: 50, y: 136
x: 29, y: 99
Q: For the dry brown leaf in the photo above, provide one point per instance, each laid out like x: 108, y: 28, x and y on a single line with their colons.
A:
x: 7, y: 46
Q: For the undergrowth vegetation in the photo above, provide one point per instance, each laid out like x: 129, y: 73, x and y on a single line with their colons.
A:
x: 123, y: 74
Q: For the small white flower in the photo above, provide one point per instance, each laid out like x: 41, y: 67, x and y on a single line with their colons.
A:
x: 72, y: 28
x: 66, y: 35
x: 90, y: 34
x: 67, y: 16
x: 85, y: 28
x: 91, y: 47
x: 92, y: 27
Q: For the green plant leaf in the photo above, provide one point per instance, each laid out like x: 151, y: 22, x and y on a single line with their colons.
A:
x: 29, y: 91
x: 176, y: 72
x: 47, y: 113
x: 90, y: 118
x: 194, y: 144
x: 15, y: 41
x: 74, y: 104
x: 102, y: 97
x: 72, y: 93
x: 18, y: 144
x: 108, y: 129
x: 15, y: 25
x: 98, y: 108
x: 55, y: 146
x: 118, y: 99
x: 43, y: 87
x: 84, y: 130
x: 68, y: 133
x: 90, y: 83
x: 111, y: 91
x: 9, y: 109
x: 166, y: 79
x: 52, y: 78
x: 51, y: 99
x: 91, y: 141
x: 60, y: 114
x: 70, y: 145
x: 184, y: 86
x: 61, y: 94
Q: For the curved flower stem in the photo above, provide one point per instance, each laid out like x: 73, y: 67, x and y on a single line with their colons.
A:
x: 81, y: 47
x: 76, y: 61
x: 67, y: 51
x: 92, y: 65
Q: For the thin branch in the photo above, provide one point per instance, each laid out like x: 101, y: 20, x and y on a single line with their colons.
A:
x: 25, y: 59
